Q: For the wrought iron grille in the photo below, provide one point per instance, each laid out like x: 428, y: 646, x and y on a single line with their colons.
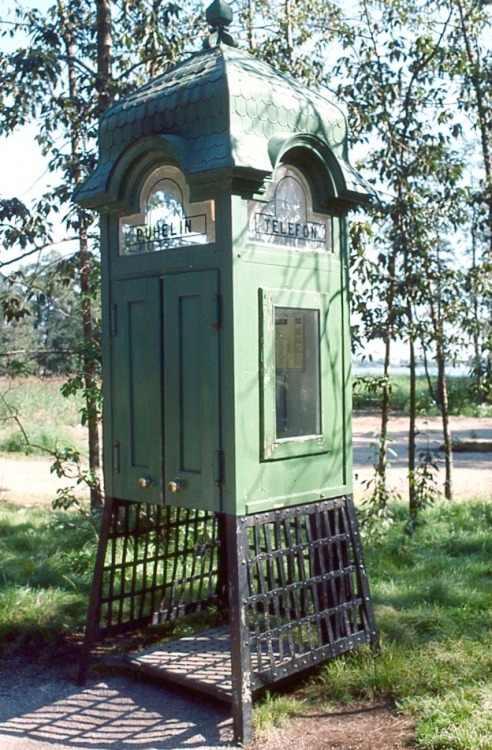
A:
x: 160, y: 563
x: 308, y: 597
x: 297, y: 586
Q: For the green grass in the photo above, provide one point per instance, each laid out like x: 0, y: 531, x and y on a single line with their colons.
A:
x: 48, y: 419
x: 433, y: 600
x: 462, y: 400
x: 46, y: 563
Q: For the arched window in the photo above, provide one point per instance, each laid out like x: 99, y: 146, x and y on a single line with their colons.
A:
x: 166, y: 219
x: 287, y: 219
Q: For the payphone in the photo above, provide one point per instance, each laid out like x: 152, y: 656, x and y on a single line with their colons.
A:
x: 223, y: 188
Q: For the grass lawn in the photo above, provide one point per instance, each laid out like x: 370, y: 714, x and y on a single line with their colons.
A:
x: 46, y: 563
x: 433, y: 598
x: 35, y: 407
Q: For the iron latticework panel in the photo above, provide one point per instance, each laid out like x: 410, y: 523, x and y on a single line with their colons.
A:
x: 159, y: 563
x: 307, y: 593
x: 297, y: 590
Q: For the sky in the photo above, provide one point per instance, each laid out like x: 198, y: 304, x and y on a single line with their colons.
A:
x: 23, y: 167
x: 23, y: 172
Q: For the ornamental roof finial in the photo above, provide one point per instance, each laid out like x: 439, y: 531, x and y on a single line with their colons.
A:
x: 219, y: 16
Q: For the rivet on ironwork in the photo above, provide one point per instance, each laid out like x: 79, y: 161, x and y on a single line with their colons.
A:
x: 219, y: 15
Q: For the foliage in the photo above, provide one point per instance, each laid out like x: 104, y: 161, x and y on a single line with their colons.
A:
x: 43, y: 336
x: 293, y: 37
x: 426, y: 488
x: 67, y: 465
x: 376, y: 514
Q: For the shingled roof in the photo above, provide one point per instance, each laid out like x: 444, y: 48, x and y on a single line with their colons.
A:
x: 220, y: 108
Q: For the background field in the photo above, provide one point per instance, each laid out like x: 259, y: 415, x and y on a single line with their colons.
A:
x: 34, y: 408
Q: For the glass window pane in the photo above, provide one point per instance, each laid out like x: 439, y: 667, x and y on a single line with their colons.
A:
x: 297, y: 372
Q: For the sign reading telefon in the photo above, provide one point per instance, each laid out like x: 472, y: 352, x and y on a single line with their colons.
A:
x: 288, y: 219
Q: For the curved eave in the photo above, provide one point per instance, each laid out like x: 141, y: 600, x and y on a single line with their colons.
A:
x: 93, y: 193
x: 217, y: 111
x: 356, y: 189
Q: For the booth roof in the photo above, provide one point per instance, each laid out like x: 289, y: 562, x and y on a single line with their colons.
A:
x: 220, y: 109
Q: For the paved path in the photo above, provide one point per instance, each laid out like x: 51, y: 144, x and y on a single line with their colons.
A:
x: 27, y: 481
x: 113, y: 713
x: 472, y: 472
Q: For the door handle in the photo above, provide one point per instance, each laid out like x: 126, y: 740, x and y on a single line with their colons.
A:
x: 145, y: 483
x: 176, y: 485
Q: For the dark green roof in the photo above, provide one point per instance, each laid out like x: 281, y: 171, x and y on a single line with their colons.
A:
x: 220, y: 108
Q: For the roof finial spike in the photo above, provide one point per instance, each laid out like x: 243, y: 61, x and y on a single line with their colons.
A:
x: 219, y: 16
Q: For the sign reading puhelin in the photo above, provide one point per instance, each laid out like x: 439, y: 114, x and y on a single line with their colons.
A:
x: 163, y: 234
x: 288, y: 218
x: 169, y: 221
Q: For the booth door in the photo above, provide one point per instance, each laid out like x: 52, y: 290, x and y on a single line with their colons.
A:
x: 192, y: 458
x: 136, y: 391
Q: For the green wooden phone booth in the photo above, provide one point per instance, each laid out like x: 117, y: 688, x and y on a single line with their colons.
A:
x: 223, y: 188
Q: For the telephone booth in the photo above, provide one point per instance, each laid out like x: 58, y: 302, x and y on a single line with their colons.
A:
x: 223, y: 188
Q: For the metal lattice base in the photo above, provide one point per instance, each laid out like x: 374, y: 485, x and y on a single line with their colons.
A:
x: 160, y: 563
x: 201, y: 662
x: 308, y: 598
x: 296, y: 583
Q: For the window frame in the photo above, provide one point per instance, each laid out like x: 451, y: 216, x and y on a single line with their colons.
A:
x: 275, y: 448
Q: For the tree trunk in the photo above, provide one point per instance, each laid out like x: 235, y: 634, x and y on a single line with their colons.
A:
x: 90, y: 375
x: 434, y: 396
x: 480, y: 80
x: 412, y: 425
x: 251, y: 27
x: 386, y: 389
x: 446, y: 429
x: 104, y: 55
x: 477, y: 352
x: 385, y: 408
x: 88, y: 357
x: 442, y: 387
x: 289, y: 32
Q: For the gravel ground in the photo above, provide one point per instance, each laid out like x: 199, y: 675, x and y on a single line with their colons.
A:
x: 47, y: 711
x: 472, y: 472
